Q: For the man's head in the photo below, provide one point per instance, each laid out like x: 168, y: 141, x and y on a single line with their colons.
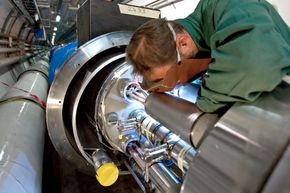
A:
x: 155, y: 46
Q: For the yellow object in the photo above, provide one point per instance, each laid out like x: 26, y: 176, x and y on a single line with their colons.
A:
x: 107, y: 174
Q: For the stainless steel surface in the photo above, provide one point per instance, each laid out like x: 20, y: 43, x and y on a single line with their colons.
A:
x: 174, y: 113
x: 240, y: 151
x: 57, y: 129
x: 164, y: 180
x: 181, y: 153
x: 109, y: 100
x: 76, y: 98
x: 202, y: 127
x: 279, y: 181
x: 100, y: 157
x: 22, y: 136
x: 162, y: 133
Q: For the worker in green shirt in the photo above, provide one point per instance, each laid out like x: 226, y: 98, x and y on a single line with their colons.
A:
x: 246, y: 42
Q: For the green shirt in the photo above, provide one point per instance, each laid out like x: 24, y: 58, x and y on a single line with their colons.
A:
x: 250, y: 47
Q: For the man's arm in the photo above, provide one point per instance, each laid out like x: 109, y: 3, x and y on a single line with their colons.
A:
x: 250, y: 56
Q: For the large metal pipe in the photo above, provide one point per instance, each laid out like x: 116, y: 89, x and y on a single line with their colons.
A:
x: 22, y: 118
x: 175, y: 113
x: 180, y: 116
x: 163, y: 179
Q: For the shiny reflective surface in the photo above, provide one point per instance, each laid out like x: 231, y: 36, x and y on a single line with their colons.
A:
x: 175, y: 113
x: 96, y: 104
x: 58, y: 131
x: 239, y: 153
x: 164, y: 179
x: 110, y: 100
x: 279, y: 181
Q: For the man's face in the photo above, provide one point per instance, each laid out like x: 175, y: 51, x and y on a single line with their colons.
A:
x: 157, y: 73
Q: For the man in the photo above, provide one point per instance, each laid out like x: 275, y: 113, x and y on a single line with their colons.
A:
x: 247, y: 40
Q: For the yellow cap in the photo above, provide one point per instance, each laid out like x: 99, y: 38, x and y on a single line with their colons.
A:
x: 107, y: 174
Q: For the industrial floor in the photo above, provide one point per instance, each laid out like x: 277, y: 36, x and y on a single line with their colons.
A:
x: 60, y: 177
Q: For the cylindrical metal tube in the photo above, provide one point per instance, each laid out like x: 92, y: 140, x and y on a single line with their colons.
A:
x: 11, y: 60
x: 106, y: 171
x: 8, y: 50
x: 22, y: 136
x: 163, y: 179
x: 174, y: 113
x: 181, y: 152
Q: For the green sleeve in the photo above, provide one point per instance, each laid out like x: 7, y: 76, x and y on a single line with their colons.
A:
x: 194, y: 25
x: 250, y: 48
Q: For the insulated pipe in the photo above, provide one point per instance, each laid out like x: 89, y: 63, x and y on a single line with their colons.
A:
x: 22, y: 118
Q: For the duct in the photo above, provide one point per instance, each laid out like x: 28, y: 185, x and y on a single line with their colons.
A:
x: 22, y: 135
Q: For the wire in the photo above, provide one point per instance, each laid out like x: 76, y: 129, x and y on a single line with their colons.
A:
x: 97, y: 126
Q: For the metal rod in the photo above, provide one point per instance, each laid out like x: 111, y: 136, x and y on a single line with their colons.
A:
x: 167, y: 4
x: 8, y: 50
x: 135, y: 177
x: 150, y: 4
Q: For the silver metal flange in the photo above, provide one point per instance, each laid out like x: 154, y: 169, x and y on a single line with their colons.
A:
x: 57, y: 114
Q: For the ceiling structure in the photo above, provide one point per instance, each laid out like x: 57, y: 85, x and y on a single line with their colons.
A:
x: 44, y: 13
x: 65, y: 10
x: 58, y: 17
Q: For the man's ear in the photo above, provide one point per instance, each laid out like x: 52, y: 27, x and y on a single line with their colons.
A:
x: 186, y: 45
x: 182, y: 40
